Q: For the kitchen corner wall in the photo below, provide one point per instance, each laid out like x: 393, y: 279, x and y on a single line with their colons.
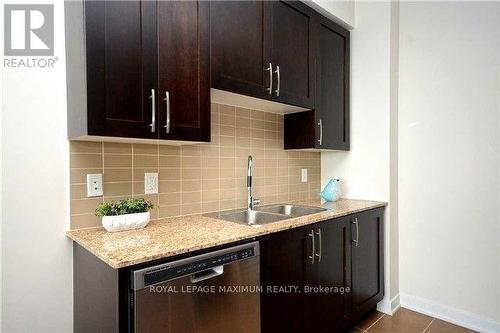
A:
x: 37, y: 283
x: 365, y: 170
x: 449, y: 106
x: 197, y: 178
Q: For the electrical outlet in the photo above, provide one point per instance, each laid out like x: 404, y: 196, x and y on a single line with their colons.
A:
x: 304, y: 175
x: 151, y: 183
x: 94, y: 185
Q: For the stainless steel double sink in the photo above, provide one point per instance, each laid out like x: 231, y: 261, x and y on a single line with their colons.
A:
x: 265, y: 214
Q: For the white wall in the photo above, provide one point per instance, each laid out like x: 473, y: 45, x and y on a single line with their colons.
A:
x: 342, y: 11
x: 449, y: 160
x: 365, y: 169
x: 1, y: 168
x: 36, y: 255
x: 394, y: 158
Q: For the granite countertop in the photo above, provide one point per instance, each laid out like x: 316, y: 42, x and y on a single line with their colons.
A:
x: 172, y: 236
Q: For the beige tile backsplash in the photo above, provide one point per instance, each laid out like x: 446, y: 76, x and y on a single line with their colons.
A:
x: 197, y: 178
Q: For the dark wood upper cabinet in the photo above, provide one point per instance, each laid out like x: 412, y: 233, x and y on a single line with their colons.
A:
x: 184, y: 70
x: 123, y: 57
x: 240, y: 46
x: 144, y: 69
x: 367, y: 261
x: 328, y: 125
x: 120, y: 72
x: 292, y: 53
x: 263, y: 49
x: 332, y: 86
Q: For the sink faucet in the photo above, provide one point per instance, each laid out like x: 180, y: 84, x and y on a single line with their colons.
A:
x: 250, y: 200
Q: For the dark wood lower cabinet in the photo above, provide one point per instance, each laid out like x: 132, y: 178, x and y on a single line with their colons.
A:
x: 337, y: 264
x: 331, y: 309
x: 282, y: 264
x: 367, y: 261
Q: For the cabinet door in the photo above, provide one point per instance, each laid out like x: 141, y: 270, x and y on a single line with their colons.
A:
x: 184, y: 70
x: 121, y: 70
x: 240, y: 46
x: 330, y: 311
x: 292, y: 50
x: 332, y: 86
x: 283, y: 263
x: 367, y: 261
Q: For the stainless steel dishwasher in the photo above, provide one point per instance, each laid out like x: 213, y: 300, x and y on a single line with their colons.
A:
x: 215, y: 292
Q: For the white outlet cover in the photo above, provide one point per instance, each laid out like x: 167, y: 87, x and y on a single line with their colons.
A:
x: 94, y: 185
x: 304, y: 175
x: 151, y: 183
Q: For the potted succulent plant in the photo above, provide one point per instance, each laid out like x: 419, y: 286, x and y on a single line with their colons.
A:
x: 124, y: 214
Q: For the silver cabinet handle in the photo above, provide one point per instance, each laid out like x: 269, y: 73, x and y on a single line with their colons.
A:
x: 356, y: 241
x: 153, y: 113
x: 277, y: 71
x: 320, y: 245
x: 313, y: 247
x: 270, y: 69
x: 320, y: 140
x: 167, y: 101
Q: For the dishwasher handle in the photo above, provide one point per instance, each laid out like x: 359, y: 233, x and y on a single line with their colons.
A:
x: 207, y: 274
x: 198, y: 268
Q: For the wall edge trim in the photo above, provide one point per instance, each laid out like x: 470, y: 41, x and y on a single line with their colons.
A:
x: 453, y: 315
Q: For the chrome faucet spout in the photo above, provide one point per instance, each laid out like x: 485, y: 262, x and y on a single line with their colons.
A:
x: 250, y: 200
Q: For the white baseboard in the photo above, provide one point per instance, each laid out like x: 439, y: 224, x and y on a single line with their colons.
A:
x: 389, y: 306
x: 459, y: 317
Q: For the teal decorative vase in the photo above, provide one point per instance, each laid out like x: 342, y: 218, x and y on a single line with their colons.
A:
x: 331, y: 192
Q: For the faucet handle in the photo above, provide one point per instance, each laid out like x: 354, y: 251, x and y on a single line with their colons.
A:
x: 255, y: 201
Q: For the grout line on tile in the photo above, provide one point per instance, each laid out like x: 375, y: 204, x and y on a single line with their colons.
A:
x: 102, y: 170
x: 158, y: 182
x: 132, y: 149
x: 83, y: 153
x: 82, y: 214
x: 359, y: 329
x: 382, y: 316
x: 425, y: 329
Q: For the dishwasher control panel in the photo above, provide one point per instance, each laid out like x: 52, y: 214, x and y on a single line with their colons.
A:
x: 161, y: 273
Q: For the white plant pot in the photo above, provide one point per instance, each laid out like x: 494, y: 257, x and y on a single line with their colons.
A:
x: 125, y: 222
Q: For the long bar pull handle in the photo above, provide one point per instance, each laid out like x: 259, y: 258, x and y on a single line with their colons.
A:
x: 313, y: 247
x: 277, y: 71
x: 320, y: 140
x: 167, y: 101
x: 153, y: 111
x: 270, y: 69
x: 356, y: 241
x: 208, y: 274
x: 320, y: 244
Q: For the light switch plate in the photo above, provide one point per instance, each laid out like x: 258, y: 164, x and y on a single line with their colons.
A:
x: 94, y: 185
x: 151, y: 183
x: 304, y: 175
